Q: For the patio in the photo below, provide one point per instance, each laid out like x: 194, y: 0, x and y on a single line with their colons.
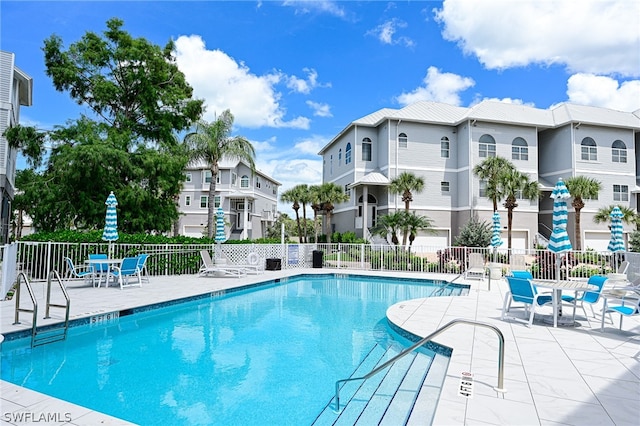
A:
x: 574, y: 375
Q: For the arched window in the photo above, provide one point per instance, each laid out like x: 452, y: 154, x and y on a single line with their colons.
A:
x: 487, y: 146
x: 347, y: 154
x: 444, y: 147
x: 366, y: 149
x: 519, y: 150
x: 403, y: 140
x: 618, y: 152
x: 339, y: 156
x: 588, y: 149
x: 331, y: 165
x: 244, y: 181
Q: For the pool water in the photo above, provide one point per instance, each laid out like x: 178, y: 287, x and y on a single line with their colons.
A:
x: 265, y: 356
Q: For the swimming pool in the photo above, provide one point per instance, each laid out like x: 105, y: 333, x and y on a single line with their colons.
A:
x: 266, y: 355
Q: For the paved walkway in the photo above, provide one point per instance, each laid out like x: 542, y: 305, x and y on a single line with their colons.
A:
x: 553, y: 376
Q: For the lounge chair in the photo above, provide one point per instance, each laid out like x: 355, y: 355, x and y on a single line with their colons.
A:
x: 523, y: 291
x: 87, y: 273
x: 252, y: 265
x: 476, y: 267
x: 208, y: 267
x: 128, y: 269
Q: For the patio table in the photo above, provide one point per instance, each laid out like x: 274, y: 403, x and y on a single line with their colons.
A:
x: 108, y: 262
x: 557, y: 287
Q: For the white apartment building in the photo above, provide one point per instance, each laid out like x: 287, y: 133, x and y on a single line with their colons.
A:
x: 16, y: 90
x: 249, y: 200
x: 442, y: 144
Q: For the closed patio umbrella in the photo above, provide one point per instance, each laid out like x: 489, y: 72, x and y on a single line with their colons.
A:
x: 616, y: 244
x: 220, y: 235
x: 496, y: 240
x: 110, y: 232
x: 559, y: 242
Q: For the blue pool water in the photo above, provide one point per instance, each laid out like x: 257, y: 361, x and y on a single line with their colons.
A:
x: 269, y: 355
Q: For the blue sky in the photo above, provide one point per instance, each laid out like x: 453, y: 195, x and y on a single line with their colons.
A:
x: 295, y: 73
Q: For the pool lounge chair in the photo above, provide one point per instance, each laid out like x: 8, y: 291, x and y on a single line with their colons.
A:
x: 476, y: 267
x: 216, y: 269
x: 254, y: 264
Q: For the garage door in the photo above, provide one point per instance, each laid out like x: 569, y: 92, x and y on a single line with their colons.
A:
x: 437, y: 239
x: 196, y: 231
x: 597, y: 241
x: 518, y: 241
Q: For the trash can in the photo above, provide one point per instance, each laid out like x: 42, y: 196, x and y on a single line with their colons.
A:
x: 273, y: 264
x: 317, y: 258
x: 495, y: 270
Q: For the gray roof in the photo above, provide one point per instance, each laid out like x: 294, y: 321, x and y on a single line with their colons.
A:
x: 373, y: 178
x: 503, y: 112
x: 572, y: 113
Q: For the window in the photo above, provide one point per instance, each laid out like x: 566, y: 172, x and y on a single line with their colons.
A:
x: 403, y: 140
x: 188, y: 177
x: 589, y: 150
x: 444, y: 187
x: 366, y: 149
x: 216, y: 201
x: 444, y: 147
x: 234, y: 179
x: 519, y: 150
x: 331, y: 165
x: 483, y: 188
x: 244, y: 181
x: 218, y: 179
x: 204, y: 202
x: 207, y: 176
x: 347, y: 154
x: 487, y: 146
x: 347, y: 190
x: 620, y: 193
x: 339, y: 156
x: 618, y: 152
x: 258, y: 184
x: 187, y: 200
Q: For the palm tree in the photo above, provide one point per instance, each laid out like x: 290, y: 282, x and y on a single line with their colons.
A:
x: 490, y: 170
x: 331, y: 194
x: 305, y: 198
x: 405, y: 184
x: 414, y: 223
x: 293, y: 196
x: 512, y: 183
x: 603, y: 215
x: 389, y: 224
x: 581, y: 188
x: 316, y: 206
x: 210, y: 142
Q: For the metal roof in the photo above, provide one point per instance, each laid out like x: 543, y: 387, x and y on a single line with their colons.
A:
x: 503, y: 112
x: 572, y: 113
x: 373, y: 178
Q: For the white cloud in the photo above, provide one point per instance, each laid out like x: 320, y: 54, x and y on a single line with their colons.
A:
x: 589, y: 89
x: 323, y: 6
x: 305, y: 85
x: 225, y: 83
x: 312, y: 145
x: 439, y: 87
x: 592, y: 36
x: 386, y: 31
x: 504, y: 100
x: 320, y: 110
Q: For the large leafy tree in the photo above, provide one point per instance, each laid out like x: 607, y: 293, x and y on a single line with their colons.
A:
x: 137, y: 100
x: 406, y: 184
x: 211, y: 142
x: 514, y: 184
x: 581, y: 188
x: 329, y: 195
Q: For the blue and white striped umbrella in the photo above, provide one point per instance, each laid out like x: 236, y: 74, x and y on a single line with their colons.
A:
x: 496, y: 240
x: 110, y: 232
x: 559, y: 241
x: 616, y: 243
x: 220, y: 235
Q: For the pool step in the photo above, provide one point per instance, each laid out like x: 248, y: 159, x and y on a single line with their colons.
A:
x: 386, y: 398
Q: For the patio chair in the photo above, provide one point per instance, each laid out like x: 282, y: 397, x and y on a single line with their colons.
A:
x: 476, y: 267
x: 100, y: 269
x: 590, y: 297
x: 142, y: 266
x: 523, y: 291
x: 517, y: 263
x: 208, y: 267
x: 128, y: 269
x: 626, y: 306
x: 622, y: 269
x: 84, y: 272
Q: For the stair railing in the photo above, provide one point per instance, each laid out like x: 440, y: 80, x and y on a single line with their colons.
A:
x: 500, y: 388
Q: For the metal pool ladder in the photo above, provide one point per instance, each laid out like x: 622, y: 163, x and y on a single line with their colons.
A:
x: 500, y: 388
x: 47, y: 334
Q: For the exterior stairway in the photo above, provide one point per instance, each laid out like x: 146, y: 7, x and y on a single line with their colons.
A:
x: 388, y: 398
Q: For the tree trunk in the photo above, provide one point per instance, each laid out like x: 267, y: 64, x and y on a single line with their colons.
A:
x: 212, y: 197
x: 577, y: 231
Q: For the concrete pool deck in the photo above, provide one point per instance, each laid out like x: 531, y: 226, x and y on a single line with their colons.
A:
x: 569, y: 376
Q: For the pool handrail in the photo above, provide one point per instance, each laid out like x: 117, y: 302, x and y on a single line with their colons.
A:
x: 500, y: 388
